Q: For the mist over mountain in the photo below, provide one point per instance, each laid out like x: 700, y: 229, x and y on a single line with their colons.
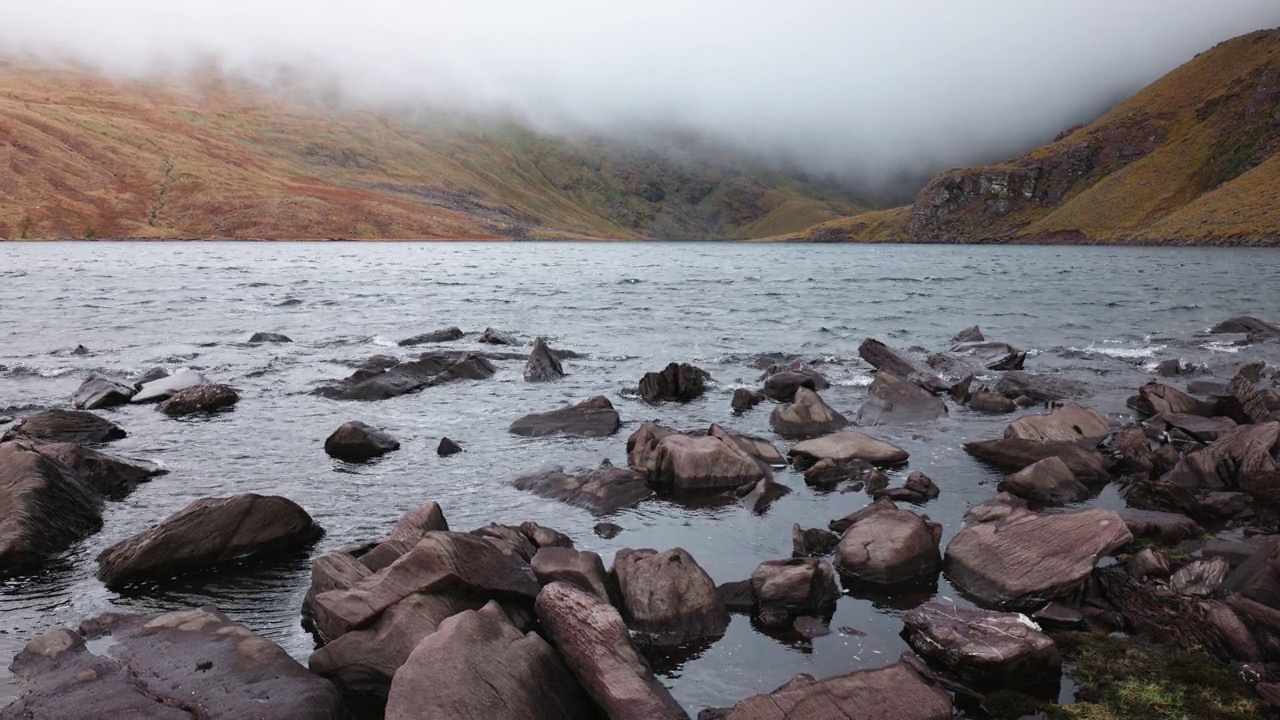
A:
x: 876, y: 93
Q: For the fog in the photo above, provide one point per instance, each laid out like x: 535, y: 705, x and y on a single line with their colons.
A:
x: 862, y: 90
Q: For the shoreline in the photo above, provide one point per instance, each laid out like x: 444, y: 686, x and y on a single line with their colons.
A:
x: 1031, y: 242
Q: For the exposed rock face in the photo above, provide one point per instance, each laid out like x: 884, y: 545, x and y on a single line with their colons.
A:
x: 797, y: 586
x: 113, y: 477
x: 190, y: 663
x: 73, y: 426
x: 44, y: 507
x: 355, y: 441
x: 807, y: 417
x: 1069, y: 423
x: 845, y: 447
x: 1157, y: 399
x: 1023, y: 559
x: 1040, y: 388
x: 200, y: 399
x: 268, y: 337
x: 668, y: 458
x: 1258, y: 578
x: 580, y: 568
x: 892, y: 400
x: 667, y: 597
x: 542, y: 364
x: 448, y: 447
x: 886, y: 546
x: 593, y: 417
x: 494, y: 671
x: 166, y: 387
x: 1004, y: 649
x: 206, y: 534
x: 596, y: 645
x: 680, y: 383
x: 1246, y: 324
x: 443, y: 335
x: 1242, y: 402
x: 603, y: 490
x: 98, y: 391
x: 1015, y: 454
x: 1048, y: 481
x: 1235, y: 460
x: 896, y: 692
x: 883, y: 358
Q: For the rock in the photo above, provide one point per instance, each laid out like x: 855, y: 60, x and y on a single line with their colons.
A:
x: 737, y: 596
x: 885, y: 359
x: 680, y: 383
x: 813, y: 542
x: 448, y: 447
x: 667, y: 598
x: 1069, y: 423
x: 1258, y: 578
x: 845, y: 447
x: 168, y: 386
x: 962, y: 391
x: 601, y: 491
x: 1157, y: 399
x: 468, y: 367
x: 606, y: 530
x: 98, y: 391
x: 379, y: 381
x: 542, y: 364
x: 200, y: 399
x: 1246, y: 324
x: 1200, y: 578
x: 1130, y: 452
x: 1225, y: 504
x: 969, y: 334
x: 810, y: 627
x: 189, y: 663
x: 796, y: 586
x: 1170, y: 368
x: 827, y: 473
x: 807, y: 417
x: 744, y: 400
x: 893, y: 400
x: 1235, y: 460
x: 992, y: 355
x: 1040, y: 388
x: 206, y: 534
x: 1015, y: 454
x: 918, y: 488
x: 1243, y: 403
x: 441, y: 561
x: 1002, y: 649
x: 267, y: 337
x: 494, y: 671
x: 355, y: 441
x: 1198, y: 428
x: 73, y: 426
x: 668, y: 458
x: 756, y: 447
x: 1162, y: 496
x: 444, y: 335
x: 496, y: 337
x: 762, y: 494
x: 112, y: 477
x: 596, y: 645
x: 991, y: 403
x: 579, y: 568
x: 1234, y: 551
x: 886, y: 546
x: 1148, y: 563
x: 1026, y: 559
x: 155, y: 373
x: 1048, y: 481
x: 80, y: 350
x: 331, y: 571
x: 997, y: 508
x: 44, y: 507
x: 895, y: 692
x: 782, y: 386
x: 593, y: 417
x: 1058, y: 615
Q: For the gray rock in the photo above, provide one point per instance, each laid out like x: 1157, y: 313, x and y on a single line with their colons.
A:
x: 593, y: 417
x: 435, y: 336
x: 892, y: 400
x: 98, y: 391
x: 807, y: 417
x: 200, y: 399
x: 491, y: 336
x: 268, y: 337
x: 355, y: 441
x: 1200, y: 578
x: 168, y: 386
x: 542, y: 364
x: 73, y: 426
x: 448, y: 447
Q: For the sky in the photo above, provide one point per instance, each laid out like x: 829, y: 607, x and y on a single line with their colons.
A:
x: 860, y: 90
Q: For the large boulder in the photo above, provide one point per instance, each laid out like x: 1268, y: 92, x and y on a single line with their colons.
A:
x: 845, y: 447
x: 1024, y: 559
x: 1237, y: 459
x: 782, y: 386
x: 494, y: 670
x: 885, y: 359
x: 206, y: 534
x: 895, y: 692
x: 1002, y: 649
x: 1014, y: 454
x: 542, y: 364
x: 593, y: 417
x: 98, y: 391
x: 756, y: 447
x: 886, y: 546
x: 112, y: 476
x: 893, y: 400
x: 1242, y: 402
x: 1040, y: 388
x: 73, y: 426
x: 597, y: 647
x: 183, y: 664
x: 166, y: 387
x: 797, y: 586
x: 435, y: 336
x: 1156, y: 399
x: 1258, y: 577
x: 1069, y: 423
x: 1048, y: 482
x: 680, y: 383
x: 580, y: 568
x: 807, y: 417
x: 44, y: 507
x: 601, y: 491
x: 209, y: 398
x: 355, y: 441
x: 690, y: 462
x: 667, y: 598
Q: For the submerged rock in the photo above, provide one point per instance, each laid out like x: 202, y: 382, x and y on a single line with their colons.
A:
x: 73, y: 426
x: 355, y: 441
x: 542, y: 364
x: 200, y: 399
x: 807, y: 417
x: 892, y: 400
x: 44, y: 507
x: 886, y: 546
x: 435, y: 336
x: 667, y: 597
x: 744, y: 399
x: 680, y: 383
x: 593, y: 417
x: 812, y: 542
x: 601, y: 491
x: 1246, y: 324
x: 268, y: 337
x: 99, y: 391
x: 1003, y: 649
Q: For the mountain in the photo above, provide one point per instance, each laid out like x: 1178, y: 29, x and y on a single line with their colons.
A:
x: 1192, y: 159
x: 82, y: 156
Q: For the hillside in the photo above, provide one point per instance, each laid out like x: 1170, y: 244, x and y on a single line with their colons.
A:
x: 1192, y: 158
x: 84, y: 157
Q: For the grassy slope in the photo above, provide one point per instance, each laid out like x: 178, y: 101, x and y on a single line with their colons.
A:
x: 1191, y: 158
x: 81, y: 156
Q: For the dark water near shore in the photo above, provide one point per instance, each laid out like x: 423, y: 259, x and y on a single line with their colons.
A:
x: 1102, y: 315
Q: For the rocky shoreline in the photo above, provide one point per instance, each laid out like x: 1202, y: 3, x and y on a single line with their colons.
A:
x: 537, y: 627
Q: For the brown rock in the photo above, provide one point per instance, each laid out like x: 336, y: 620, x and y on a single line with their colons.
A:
x: 542, y: 364
x: 1069, y: 423
x: 813, y: 542
x: 580, y: 568
x: 1148, y: 562
x: 991, y: 403
x: 798, y: 586
x: 200, y: 399
x: 886, y: 546
x: 1164, y: 527
x: 1258, y: 578
x: 601, y: 491
x: 44, y: 507
x: 355, y: 441
x: 893, y: 400
x: 667, y: 598
x: 918, y: 488
x: 1003, y: 649
x: 112, y: 476
x: 744, y: 400
x: 593, y: 417
x: 666, y: 457
x: 680, y: 383
x: 1048, y: 481
x: 1243, y: 403
x: 807, y: 417
x: 845, y: 447
x: 73, y: 426
x: 883, y: 358
x: 98, y: 391
x: 1157, y: 399
x: 1015, y: 454
x: 895, y: 692
x: 1040, y: 388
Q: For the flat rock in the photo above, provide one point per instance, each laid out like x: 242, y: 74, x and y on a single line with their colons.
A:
x: 168, y: 386
x: 1246, y: 324
x: 73, y: 426
x: 44, y: 507
x: 355, y: 441
x: 112, y: 476
x: 593, y: 417
x: 679, y: 383
x: 1013, y: 454
x: 207, y: 534
x: 99, y: 391
x: 1235, y: 460
x: 895, y: 692
x: 691, y: 462
x: 435, y: 336
x: 208, y: 398
x: 844, y: 447
x: 1003, y: 649
x: 807, y: 417
x: 1069, y: 423
x: 1040, y: 388
x: 892, y: 400
x: 542, y: 364
x: 667, y: 598
x: 1157, y: 399
x: 1197, y: 427
x: 601, y: 491
x: 886, y: 546
x: 1048, y: 482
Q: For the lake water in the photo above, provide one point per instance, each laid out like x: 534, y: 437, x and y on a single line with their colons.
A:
x: 1102, y: 315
